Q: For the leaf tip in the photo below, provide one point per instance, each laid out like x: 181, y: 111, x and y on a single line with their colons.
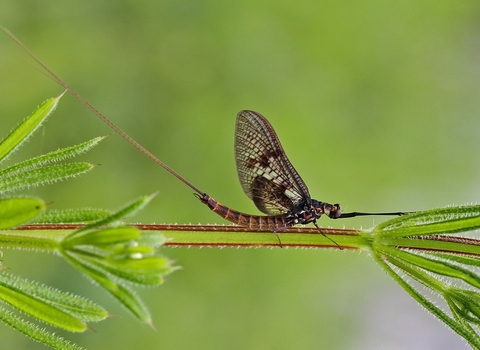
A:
x: 61, y: 95
x: 151, y: 325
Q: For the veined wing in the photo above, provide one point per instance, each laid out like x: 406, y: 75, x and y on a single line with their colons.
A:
x: 266, y: 175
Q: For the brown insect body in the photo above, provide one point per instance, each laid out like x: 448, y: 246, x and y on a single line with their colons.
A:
x: 267, y: 222
x: 273, y: 223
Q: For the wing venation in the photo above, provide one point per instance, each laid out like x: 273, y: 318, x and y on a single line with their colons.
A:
x: 265, y: 173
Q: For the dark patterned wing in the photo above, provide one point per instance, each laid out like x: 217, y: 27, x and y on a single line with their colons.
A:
x: 266, y: 175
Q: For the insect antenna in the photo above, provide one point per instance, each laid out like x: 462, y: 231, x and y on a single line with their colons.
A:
x: 357, y: 213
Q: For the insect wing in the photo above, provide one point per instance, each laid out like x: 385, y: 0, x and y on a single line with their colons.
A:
x: 266, y: 175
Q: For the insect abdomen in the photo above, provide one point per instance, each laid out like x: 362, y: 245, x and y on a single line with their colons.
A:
x: 252, y: 221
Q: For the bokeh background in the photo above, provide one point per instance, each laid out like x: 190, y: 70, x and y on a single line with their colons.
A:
x: 376, y: 103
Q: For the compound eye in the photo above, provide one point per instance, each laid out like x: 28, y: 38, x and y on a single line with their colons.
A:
x: 336, y: 211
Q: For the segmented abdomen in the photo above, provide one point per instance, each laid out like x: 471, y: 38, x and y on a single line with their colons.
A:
x: 270, y: 223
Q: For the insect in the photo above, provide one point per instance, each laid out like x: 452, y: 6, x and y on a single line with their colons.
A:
x: 266, y: 175
x: 271, y: 182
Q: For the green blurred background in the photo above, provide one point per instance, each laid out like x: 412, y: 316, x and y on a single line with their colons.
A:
x: 375, y: 102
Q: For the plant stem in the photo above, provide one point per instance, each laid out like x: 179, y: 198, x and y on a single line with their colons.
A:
x: 45, y: 236
x: 220, y: 235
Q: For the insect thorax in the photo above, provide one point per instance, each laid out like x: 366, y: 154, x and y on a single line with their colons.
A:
x: 305, y: 212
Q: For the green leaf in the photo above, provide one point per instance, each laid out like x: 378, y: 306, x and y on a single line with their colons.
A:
x: 125, y: 212
x: 125, y: 295
x: 18, y: 211
x: 467, y: 260
x: 151, y: 239
x: 51, y: 157
x: 136, y: 268
x: 107, y: 236
x: 45, y: 175
x: 459, y: 326
x: 111, y: 256
x: 115, y: 257
x: 72, y: 216
x: 443, y: 268
x: 40, y: 309
x: 34, y: 332
x: 465, y: 303
x: 74, y: 305
x: 120, y: 252
x: 20, y: 134
x: 417, y: 245
x: 430, y: 222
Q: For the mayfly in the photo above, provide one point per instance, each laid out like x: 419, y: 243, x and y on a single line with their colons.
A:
x: 271, y: 182
x: 265, y: 173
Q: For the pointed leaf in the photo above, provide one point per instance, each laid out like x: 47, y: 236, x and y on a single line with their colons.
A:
x: 82, y: 215
x: 107, y: 236
x: 74, y: 305
x: 40, y: 310
x: 147, y: 271
x: 45, y: 175
x: 18, y: 135
x: 465, y: 302
x: 34, y: 332
x: 125, y: 212
x: 121, y: 292
x: 51, y: 157
x: 458, y: 327
x: 443, y: 268
x: 18, y: 211
x: 430, y: 222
